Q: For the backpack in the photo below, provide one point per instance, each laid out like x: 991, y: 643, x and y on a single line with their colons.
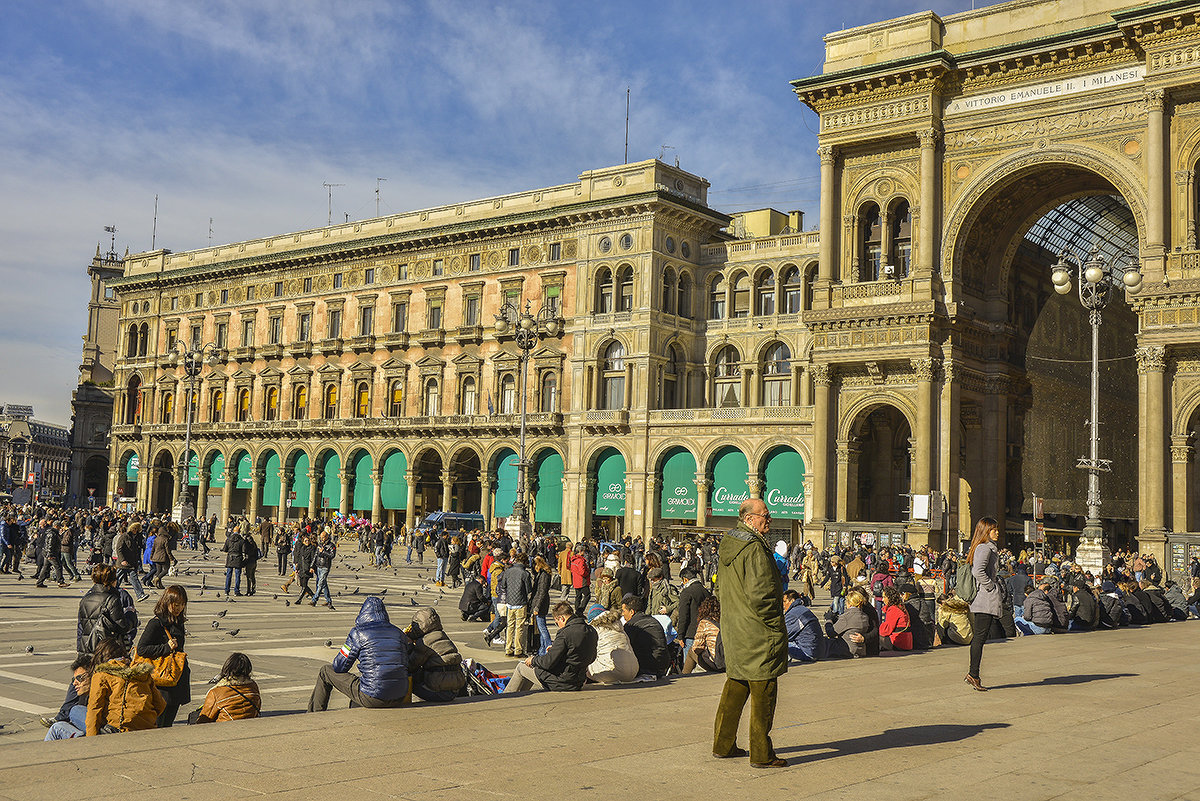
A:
x: 965, y: 588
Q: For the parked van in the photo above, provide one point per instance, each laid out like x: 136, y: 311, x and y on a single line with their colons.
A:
x: 451, y: 521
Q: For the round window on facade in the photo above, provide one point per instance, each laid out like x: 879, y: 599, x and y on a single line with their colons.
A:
x: 626, y: 241
x: 605, y: 244
x: 670, y: 244
x: 685, y: 249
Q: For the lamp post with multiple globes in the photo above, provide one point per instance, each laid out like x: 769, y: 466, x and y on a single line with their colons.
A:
x: 192, y: 360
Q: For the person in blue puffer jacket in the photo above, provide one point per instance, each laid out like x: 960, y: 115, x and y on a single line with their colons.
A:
x: 381, y: 651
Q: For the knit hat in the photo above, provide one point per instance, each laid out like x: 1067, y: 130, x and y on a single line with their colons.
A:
x: 595, y: 609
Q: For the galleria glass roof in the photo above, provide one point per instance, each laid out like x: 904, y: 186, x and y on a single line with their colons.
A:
x: 1102, y: 221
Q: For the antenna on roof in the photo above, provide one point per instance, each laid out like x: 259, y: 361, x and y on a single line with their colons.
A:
x: 210, y: 220
x: 328, y: 186
x: 626, y: 124
x: 377, y: 182
x: 112, y: 244
x: 154, y: 230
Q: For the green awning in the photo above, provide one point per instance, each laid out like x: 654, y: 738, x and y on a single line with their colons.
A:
x: 506, y: 486
x: 194, y: 470
x: 363, y: 496
x: 784, y: 491
x: 270, y: 481
x: 331, y: 485
x: 216, y: 472
x: 245, y: 467
x: 300, y: 482
x: 395, y: 485
x: 610, y: 484
x: 547, y: 507
x: 131, y: 468
x: 679, y: 486
x: 729, y: 483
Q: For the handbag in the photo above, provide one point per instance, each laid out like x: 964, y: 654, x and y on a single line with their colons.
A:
x: 166, y: 671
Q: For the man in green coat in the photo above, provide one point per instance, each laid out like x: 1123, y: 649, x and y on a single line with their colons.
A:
x: 753, y: 635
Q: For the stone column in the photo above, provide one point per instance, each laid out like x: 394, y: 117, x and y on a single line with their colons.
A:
x: 588, y: 486
x: 800, y: 394
x: 144, y: 489
x: 344, y: 479
x: 638, y: 501
x: 1181, y: 480
x: 702, y: 487
x: 823, y: 434
x: 410, y: 510
x: 628, y: 402
x: 485, y: 499
x: 927, y: 215
x: 827, y: 268
x: 750, y: 388
x: 754, y: 485
x: 285, y: 483
x: 376, y: 497
x: 227, y: 499
x: 202, y: 494
x: 314, y: 492
x: 1151, y: 363
x: 847, y: 478
x: 113, y: 481
x: 922, y: 480
x: 447, y: 491
x: 256, y: 477
x: 1156, y: 183
x: 995, y: 451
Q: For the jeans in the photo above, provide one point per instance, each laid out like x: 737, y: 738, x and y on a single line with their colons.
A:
x: 322, y: 586
x: 1029, y: 628
x: 234, y: 574
x: 378, y: 556
x: 63, y: 730
x: 440, y: 573
x: 282, y: 557
x: 839, y: 605
x: 130, y: 574
x: 543, y: 632
x: 408, y: 556
x: 44, y: 571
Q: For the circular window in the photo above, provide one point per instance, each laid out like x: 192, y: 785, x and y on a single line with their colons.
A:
x: 605, y: 244
x: 670, y: 245
x: 626, y: 241
x: 679, y: 184
x: 685, y: 249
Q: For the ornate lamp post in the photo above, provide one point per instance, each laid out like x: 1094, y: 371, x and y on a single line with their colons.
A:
x: 1098, y: 280
x: 193, y: 360
x: 528, y: 329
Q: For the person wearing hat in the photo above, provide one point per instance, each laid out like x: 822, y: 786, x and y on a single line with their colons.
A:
x: 1112, y: 610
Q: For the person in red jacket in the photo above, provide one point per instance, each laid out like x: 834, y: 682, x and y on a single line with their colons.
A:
x: 581, y: 576
x: 895, y: 633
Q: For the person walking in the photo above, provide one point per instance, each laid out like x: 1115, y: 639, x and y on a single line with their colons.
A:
x: 754, y: 636
x: 986, y: 605
x: 323, y: 563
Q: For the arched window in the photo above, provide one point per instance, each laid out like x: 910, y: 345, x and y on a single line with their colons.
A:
x: 766, y: 293
x: 612, y: 384
x: 271, y: 408
x: 362, y: 399
x: 548, y: 398
x: 396, y: 400
x: 793, y: 291
x: 716, y: 299
x: 727, y: 375
x: 625, y: 288
x: 777, y: 376
x: 216, y: 406
x: 669, y: 289
x: 433, y: 398
x: 900, y: 242
x: 508, y: 394
x: 143, y: 339
x: 672, y: 379
x: 167, y: 410
x: 683, y: 306
x: 870, y: 243
x: 243, y: 405
x: 468, y: 395
x: 131, y: 341
x: 300, y: 404
x: 604, y: 291
x: 329, y: 410
x: 741, y: 296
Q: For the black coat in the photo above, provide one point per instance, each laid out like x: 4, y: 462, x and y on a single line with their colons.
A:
x: 690, y: 598
x: 234, y: 555
x: 153, y: 645
x: 539, y: 603
x: 564, y: 666
x: 1087, y: 612
x: 630, y: 581
x: 101, y: 615
x: 305, y: 556
x: 649, y: 644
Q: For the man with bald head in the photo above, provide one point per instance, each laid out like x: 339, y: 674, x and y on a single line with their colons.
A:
x: 753, y: 636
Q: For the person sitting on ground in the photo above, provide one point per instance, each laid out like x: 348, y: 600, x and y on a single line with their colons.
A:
x: 1176, y: 600
x: 663, y: 599
x: 615, y: 662
x: 381, y: 650
x: 434, y: 663
x: 1138, y: 615
x: 71, y: 720
x: 922, y: 629
x: 806, y: 641
x: 1085, y: 614
x: 101, y: 613
x: 122, y: 696
x: 953, y: 626
x: 1112, y: 609
x: 564, y: 666
x: 848, y: 631
x: 895, y: 632
x: 646, y: 637
x: 475, y: 603
x: 1160, y: 609
x: 1038, y: 616
x: 235, y: 696
x: 703, y: 652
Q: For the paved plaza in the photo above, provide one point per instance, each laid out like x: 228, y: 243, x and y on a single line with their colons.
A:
x: 1094, y: 716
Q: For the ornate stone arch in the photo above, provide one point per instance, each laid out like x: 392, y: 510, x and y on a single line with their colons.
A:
x: 656, y: 456
x: 1184, y: 409
x: 855, y: 411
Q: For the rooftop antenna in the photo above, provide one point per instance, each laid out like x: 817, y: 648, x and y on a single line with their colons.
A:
x: 662, y: 153
x: 154, y: 230
x: 112, y: 244
x: 626, y: 124
x: 377, y: 182
x: 329, y: 187
x: 210, y: 221
x: 347, y: 215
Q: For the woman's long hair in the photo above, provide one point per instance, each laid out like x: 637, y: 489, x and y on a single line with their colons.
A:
x: 983, y: 528
x: 172, y: 605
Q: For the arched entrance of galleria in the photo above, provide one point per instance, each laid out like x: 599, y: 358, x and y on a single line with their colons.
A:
x: 959, y: 157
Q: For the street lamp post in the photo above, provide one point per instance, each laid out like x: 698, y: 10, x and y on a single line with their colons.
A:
x: 1098, y: 281
x: 192, y: 360
x: 528, y: 328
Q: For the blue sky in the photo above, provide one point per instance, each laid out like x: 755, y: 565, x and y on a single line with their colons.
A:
x: 239, y: 110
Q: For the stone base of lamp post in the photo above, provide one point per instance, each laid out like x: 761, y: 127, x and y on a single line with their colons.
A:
x: 182, y: 511
x: 1092, y: 554
x: 516, y: 526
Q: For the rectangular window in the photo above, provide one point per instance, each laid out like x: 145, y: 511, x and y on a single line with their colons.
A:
x: 369, y: 276
x: 473, y: 262
x: 197, y: 332
x: 276, y: 330
x: 471, y: 311
x: 247, y: 333
x: 402, y: 272
x: 279, y: 289
x: 335, y: 324
x: 439, y: 267
x: 172, y: 337
x: 553, y: 300
x: 435, y: 314
x: 555, y: 251
x: 366, y: 321
x: 199, y: 299
x: 175, y: 303
x: 222, y: 334
x: 514, y: 257
x: 304, y: 326
x: 108, y: 293
x: 513, y: 296
x: 308, y: 284
x: 399, y: 317
x: 251, y: 293
x: 337, y: 280
x: 224, y: 295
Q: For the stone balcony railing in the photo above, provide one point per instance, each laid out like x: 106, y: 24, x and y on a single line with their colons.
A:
x: 543, y: 423
x: 735, y: 414
x: 767, y: 246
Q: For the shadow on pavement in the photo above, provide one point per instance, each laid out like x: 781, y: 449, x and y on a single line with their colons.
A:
x: 892, y: 738
x: 1063, y: 680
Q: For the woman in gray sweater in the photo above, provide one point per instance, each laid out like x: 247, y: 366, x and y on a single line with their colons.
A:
x: 986, y: 606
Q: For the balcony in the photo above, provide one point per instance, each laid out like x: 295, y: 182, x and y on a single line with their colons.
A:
x: 397, y: 340
x: 274, y: 351
x: 361, y: 344
x: 299, y: 349
x: 244, y: 354
x: 431, y: 337
x: 469, y: 334
x: 740, y: 415
x: 458, y: 425
x: 606, y: 421
x: 330, y: 346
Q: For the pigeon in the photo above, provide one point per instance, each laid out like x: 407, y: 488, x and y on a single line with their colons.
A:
x: 329, y: 643
x: 413, y: 602
x: 274, y: 597
x: 383, y: 591
x: 29, y: 649
x: 287, y: 603
x: 355, y: 591
x: 20, y: 576
x: 233, y: 632
x: 216, y: 625
x: 201, y: 593
x: 222, y: 613
x: 203, y: 585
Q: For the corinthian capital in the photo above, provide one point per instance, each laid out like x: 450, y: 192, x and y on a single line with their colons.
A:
x: 1156, y: 99
x: 925, y: 369
x: 822, y: 375
x: 827, y: 154
x: 929, y: 138
x: 1151, y: 359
